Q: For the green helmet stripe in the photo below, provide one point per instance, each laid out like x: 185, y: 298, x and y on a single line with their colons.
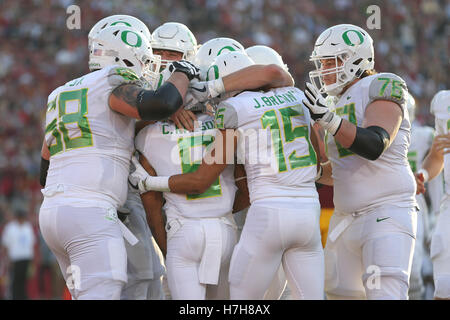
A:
x: 124, y: 22
x: 226, y: 47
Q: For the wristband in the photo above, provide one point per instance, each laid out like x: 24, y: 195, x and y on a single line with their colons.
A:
x: 216, y: 87
x: 319, y: 174
x: 156, y: 184
x: 425, y: 174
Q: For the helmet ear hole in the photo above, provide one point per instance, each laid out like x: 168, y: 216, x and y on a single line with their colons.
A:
x: 117, y: 59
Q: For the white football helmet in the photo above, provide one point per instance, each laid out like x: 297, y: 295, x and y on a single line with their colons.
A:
x: 213, y: 48
x: 439, y: 103
x: 348, y: 44
x: 119, y: 19
x: 176, y: 37
x: 225, y: 64
x: 411, y: 106
x: 265, y: 55
x: 126, y: 47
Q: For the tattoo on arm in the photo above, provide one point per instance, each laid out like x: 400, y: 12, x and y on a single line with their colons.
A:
x: 128, y: 93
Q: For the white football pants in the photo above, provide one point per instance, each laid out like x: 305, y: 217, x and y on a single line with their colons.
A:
x: 279, y: 231
x: 186, y: 252
x: 370, y: 255
x: 89, y: 247
x: 440, y: 252
x: 145, y: 262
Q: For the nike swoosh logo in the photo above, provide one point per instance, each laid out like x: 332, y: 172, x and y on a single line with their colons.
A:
x: 381, y: 219
x: 199, y: 90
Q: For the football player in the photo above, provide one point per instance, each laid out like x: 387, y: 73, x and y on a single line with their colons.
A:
x: 371, y: 237
x: 421, y: 140
x: 144, y: 259
x: 436, y: 160
x: 86, y: 157
x: 278, y: 289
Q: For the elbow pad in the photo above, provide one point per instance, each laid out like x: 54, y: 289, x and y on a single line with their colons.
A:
x: 43, y: 172
x: 159, y: 104
x: 370, y: 142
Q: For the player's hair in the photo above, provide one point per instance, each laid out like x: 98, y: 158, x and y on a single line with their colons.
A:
x: 367, y: 73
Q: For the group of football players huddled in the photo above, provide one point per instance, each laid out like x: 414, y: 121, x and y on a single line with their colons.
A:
x: 182, y: 171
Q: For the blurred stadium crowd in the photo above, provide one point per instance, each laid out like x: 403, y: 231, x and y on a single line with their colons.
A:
x: 39, y: 53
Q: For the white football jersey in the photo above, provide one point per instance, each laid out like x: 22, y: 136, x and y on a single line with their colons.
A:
x: 171, y: 151
x: 90, y: 144
x: 273, y: 142
x: 440, y: 107
x: 359, y: 183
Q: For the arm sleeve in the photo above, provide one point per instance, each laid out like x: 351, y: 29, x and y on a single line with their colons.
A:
x: 370, y: 142
x: 388, y: 86
x: 159, y: 104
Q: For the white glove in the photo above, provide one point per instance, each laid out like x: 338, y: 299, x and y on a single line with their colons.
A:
x: 320, y: 113
x: 190, y: 101
x: 141, y: 180
x: 205, y: 90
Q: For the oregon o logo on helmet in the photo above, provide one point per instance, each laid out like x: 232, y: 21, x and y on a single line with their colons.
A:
x: 216, y: 72
x: 347, y: 39
x: 226, y: 47
x: 138, y: 40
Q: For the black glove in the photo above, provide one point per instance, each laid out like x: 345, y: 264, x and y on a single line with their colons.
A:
x: 185, y: 67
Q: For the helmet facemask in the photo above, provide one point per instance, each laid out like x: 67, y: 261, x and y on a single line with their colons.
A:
x: 341, y: 70
x: 150, y: 69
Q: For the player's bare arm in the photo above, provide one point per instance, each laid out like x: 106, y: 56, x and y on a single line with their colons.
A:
x: 200, y: 180
x: 153, y: 202
x: 383, y: 114
x: 258, y: 76
x: 434, y: 161
x: 133, y: 101
x: 241, y: 199
x: 249, y: 78
x: 324, y: 170
x: 214, y: 162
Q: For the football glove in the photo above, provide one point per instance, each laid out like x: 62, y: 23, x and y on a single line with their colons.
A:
x: 141, y: 180
x: 185, y: 67
x: 320, y: 113
x: 205, y: 90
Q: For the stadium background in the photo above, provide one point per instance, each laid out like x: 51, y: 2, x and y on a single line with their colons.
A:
x: 38, y: 53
